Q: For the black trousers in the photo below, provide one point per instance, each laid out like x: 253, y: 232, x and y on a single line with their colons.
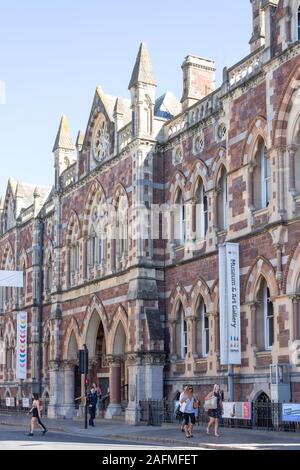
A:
x: 41, y: 424
x: 92, y: 411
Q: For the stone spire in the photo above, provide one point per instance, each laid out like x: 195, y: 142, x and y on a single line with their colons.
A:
x: 63, y: 139
x: 143, y: 70
x: 79, y: 140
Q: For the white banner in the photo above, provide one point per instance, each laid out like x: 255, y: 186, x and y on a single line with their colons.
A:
x: 237, y: 410
x: 10, y: 402
x: 25, y: 403
x: 230, y: 328
x: 11, y: 278
x: 21, y: 359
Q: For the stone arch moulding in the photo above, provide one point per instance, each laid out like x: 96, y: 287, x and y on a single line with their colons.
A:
x: 95, y: 307
x: 259, y: 389
x: 258, y: 128
x: 178, y: 181
x: 218, y: 162
x: 118, y: 192
x: 120, y: 317
x: 178, y: 295
x: 201, y: 289
x: 292, y: 274
x: 73, y: 221
x: 198, y: 171
x: 95, y: 189
x: 260, y: 268
x: 279, y: 133
x: 73, y: 329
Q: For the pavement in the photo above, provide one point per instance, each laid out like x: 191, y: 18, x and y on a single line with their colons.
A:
x: 169, y: 435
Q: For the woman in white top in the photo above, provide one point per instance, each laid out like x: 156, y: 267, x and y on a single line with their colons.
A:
x: 189, y: 403
x: 182, y: 406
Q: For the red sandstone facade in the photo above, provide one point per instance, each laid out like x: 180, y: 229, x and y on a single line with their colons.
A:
x: 148, y: 309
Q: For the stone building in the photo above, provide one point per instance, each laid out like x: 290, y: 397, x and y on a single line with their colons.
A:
x: 141, y: 288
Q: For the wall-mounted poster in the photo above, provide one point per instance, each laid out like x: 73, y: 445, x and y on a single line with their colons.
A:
x: 291, y: 412
x: 237, y: 410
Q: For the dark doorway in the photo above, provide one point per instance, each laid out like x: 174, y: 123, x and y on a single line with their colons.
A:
x: 263, y: 411
x: 77, y: 386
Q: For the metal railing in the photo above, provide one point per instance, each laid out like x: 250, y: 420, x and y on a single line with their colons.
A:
x: 19, y: 409
x: 265, y: 416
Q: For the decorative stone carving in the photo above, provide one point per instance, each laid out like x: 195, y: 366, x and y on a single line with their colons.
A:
x: 101, y: 142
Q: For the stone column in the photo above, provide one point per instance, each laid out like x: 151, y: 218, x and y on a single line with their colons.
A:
x: 279, y: 272
x: 193, y: 349
x: 173, y: 336
x: 145, y: 382
x: 114, y: 408
x: 292, y: 176
x: 68, y: 406
x: 56, y: 389
x: 295, y: 333
x: 280, y: 185
x: 253, y: 324
x: 250, y: 186
x: 217, y: 333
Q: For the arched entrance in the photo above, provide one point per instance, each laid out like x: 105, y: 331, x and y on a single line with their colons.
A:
x: 118, y: 379
x: 72, y: 378
x: 98, y: 364
x: 263, y: 411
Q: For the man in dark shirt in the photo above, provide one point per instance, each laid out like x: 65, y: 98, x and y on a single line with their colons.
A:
x: 92, y: 397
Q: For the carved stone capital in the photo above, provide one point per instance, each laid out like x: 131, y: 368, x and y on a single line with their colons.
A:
x: 54, y: 366
x: 114, y: 360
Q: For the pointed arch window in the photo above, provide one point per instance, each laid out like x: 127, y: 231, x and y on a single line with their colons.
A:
x: 179, y: 220
x: 74, y: 258
x: 181, y: 334
x: 201, y: 211
x: 122, y: 231
x: 261, y: 176
x: 222, y: 200
x: 95, y: 245
x: 264, y: 318
x: 202, y: 330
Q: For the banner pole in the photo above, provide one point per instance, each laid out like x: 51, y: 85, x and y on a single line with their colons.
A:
x: 231, y: 382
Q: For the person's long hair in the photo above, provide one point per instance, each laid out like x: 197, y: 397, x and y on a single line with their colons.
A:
x: 217, y: 388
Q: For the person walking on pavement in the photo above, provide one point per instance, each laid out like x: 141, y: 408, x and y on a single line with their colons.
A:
x: 36, y: 415
x: 92, y: 401
x: 99, y: 395
x: 215, y: 414
x: 182, y: 406
x: 189, y: 404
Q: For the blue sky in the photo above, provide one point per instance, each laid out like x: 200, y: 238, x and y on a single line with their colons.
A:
x: 53, y: 54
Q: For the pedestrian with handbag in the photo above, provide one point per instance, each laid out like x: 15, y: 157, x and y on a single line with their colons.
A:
x: 189, y: 404
x: 214, y: 406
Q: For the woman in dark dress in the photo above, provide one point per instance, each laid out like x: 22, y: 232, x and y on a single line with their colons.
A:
x: 215, y: 415
x: 36, y: 415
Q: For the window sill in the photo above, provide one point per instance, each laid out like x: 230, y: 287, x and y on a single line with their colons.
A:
x: 258, y: 212
x: 263, y: 352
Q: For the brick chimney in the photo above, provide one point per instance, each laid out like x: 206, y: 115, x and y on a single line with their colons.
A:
x: 198, y: 79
